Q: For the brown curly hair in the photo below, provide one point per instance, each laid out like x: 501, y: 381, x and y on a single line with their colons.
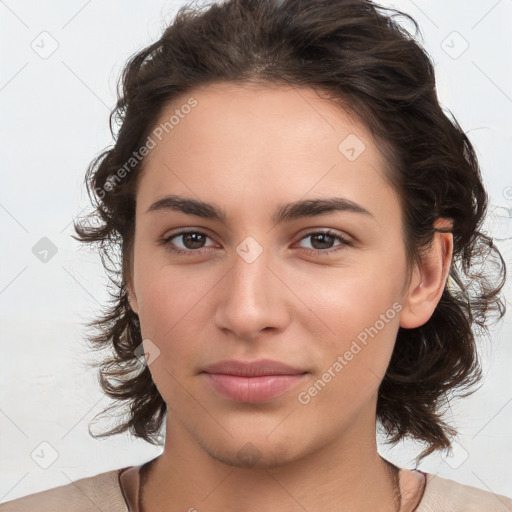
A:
x: 361, y: 58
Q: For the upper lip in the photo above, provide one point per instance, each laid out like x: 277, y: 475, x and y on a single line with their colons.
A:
x: 252, y: 368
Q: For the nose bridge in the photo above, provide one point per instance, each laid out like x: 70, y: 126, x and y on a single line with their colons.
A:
x: 249, y: 300
x: 249, y: 277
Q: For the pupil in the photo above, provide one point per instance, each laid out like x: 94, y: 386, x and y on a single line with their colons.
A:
x: 191, y: 237
x: 326, y: 243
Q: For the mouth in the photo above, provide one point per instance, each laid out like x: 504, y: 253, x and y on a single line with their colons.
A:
x: 256, y: 381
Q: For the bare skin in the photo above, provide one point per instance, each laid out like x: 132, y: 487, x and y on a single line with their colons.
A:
x: 248, y: 150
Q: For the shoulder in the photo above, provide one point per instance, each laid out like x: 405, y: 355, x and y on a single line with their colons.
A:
x: 445, y: 495
x: 99, y: 492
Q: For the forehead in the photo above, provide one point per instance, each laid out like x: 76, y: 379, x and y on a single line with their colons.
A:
x: 251, y: 116
x: 250, y: 141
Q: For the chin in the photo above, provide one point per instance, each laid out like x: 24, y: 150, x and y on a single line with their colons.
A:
x: 251, y: 454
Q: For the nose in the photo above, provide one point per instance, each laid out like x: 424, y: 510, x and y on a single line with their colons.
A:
x: 252, y: 298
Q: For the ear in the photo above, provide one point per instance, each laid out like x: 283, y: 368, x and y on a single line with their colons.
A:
x: 428, y: 280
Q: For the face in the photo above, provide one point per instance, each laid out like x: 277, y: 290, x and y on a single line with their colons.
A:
x: 317, y: 288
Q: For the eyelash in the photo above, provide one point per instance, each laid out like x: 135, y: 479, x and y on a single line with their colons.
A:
x: 190, y: 252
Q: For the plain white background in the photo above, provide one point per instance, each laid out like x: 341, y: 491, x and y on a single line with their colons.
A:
x: 60, y: 63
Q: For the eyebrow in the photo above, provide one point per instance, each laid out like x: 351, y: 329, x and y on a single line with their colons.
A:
x: 283, y: 213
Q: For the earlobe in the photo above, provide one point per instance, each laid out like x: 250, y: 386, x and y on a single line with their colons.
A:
x: 428, y: 280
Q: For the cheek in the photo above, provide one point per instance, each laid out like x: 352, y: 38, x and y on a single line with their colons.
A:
x: 346, y: 301
x: 166, y: 293
x: 169, y: 304
x: 354, y: 356
x: 357, y: 309
x: 176, y: 311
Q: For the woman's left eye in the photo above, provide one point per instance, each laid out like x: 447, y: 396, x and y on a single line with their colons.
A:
x: 323, y: 238
x: 193, y: 241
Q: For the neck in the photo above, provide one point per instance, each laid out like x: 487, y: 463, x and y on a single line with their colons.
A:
x: 347, y: 471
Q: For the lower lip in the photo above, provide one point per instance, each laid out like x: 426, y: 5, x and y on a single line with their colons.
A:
x: 252, y: 389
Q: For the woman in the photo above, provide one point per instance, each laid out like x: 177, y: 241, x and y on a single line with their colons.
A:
x: 299, y: 228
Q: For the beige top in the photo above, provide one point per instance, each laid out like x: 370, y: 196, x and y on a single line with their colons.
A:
x: 118, y: 491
